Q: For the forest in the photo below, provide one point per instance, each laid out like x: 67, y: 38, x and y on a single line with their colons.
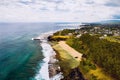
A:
x: 101, y: 52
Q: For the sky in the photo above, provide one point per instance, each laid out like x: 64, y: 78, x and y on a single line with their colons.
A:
x: 59, y: 10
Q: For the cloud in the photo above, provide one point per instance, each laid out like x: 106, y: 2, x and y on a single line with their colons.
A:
x: 55, y: 1
x: 114, y: 3
x: 58, y: 10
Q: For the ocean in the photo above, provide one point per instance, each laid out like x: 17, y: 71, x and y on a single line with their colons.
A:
x: 22, y: 58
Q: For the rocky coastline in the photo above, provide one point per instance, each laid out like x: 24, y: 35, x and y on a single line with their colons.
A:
x: 56, y: 72
x: 54, y: 68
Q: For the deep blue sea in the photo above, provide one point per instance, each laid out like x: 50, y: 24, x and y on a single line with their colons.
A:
x: 20, y: 57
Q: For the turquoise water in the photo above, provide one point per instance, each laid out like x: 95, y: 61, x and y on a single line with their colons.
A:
x: 19, y: 55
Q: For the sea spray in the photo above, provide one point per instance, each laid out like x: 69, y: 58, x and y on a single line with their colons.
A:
x: 57, y: 77
x: 48, y: 52
x: 44, y: 72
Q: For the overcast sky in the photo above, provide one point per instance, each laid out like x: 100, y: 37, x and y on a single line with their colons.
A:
x: 58, y: 10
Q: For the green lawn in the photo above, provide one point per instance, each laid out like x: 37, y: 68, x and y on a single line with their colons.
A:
x: 66, y: 61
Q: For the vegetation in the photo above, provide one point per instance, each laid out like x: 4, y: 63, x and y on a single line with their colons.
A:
x: 64, y: 32
x: 58, y: 38
x: 101, y: 52
x: 99, y: 74
x: 66, y: 61
x: 113, y: 39
x: 62, y: 35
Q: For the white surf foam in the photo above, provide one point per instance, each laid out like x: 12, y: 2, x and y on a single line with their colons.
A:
x: 43, y: 73
x: 57, y: 77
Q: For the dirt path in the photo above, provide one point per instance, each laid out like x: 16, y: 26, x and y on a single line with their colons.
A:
x: 71, y: 51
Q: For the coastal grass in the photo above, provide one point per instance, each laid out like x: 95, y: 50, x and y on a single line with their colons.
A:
x: 93, y: 72
x: 52, y: 43
x: 66, y: 61
x: 100, y: 74
x: 113, y: 39
x: 59, y: 37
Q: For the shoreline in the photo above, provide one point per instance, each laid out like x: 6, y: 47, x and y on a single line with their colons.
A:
x: 52, y: 69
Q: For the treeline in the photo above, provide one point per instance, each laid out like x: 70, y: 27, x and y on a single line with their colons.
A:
x: 102, y: 52
x: 64, y: 32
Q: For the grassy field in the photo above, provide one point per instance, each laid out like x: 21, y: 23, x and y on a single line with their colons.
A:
x: 93, y: 73
x: 66, y: 61
x: 113, y: 39
x: 100, y: 74
x: 60, y: 36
